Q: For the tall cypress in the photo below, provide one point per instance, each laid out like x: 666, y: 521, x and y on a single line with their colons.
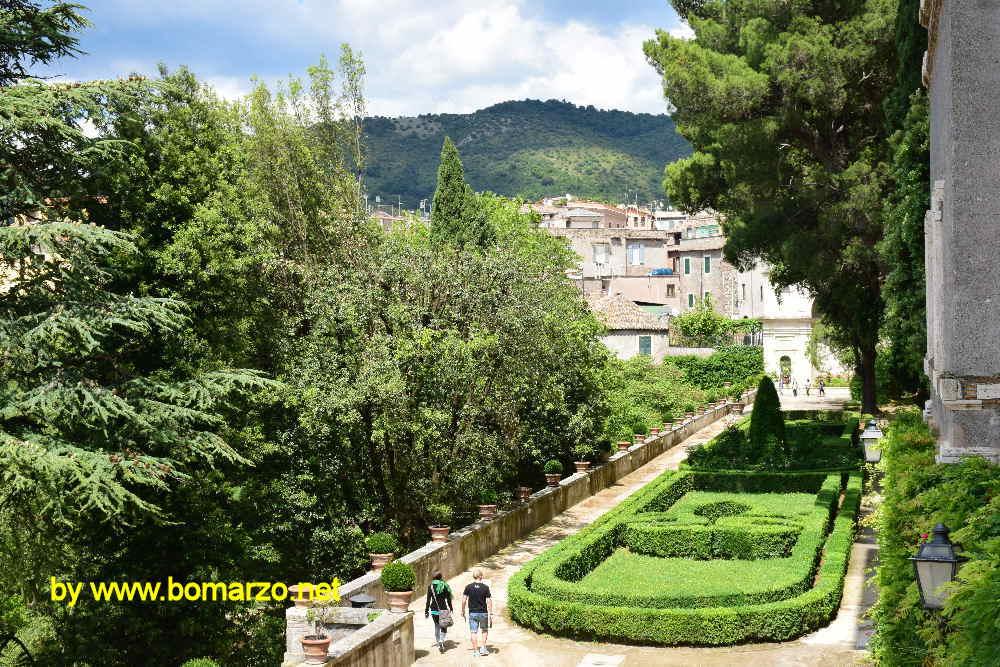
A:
x: 450, y: 197
x: 766, y: 421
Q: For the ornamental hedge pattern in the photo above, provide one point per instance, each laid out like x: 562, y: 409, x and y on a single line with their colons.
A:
x: 571, y: 590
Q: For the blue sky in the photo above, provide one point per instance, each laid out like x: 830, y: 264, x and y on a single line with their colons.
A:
x: 429, y: 56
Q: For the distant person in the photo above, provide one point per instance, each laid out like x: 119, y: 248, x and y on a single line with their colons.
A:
x: 480, y: 603
x: 807, y: 387
x: 438, y: 599
x: 781, y: 385
x: 822, y: 387
x: 795, y: 387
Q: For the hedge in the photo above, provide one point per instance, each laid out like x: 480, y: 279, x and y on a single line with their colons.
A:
x: 777, y: 620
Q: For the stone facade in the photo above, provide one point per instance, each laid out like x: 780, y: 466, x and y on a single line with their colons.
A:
x: 962, y: 227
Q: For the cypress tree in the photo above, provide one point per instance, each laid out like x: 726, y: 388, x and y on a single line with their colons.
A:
x: 766, y: 422
x: 450, y: 197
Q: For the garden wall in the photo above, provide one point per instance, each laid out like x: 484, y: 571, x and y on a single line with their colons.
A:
x: 476, y: 542
x: 386, y: 641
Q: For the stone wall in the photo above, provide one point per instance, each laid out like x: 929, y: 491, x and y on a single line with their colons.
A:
x: 962, y: 227
x: 386, y: 641
x: 484, y: 538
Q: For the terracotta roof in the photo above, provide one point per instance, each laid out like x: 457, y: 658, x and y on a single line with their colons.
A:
x: 616, y: 312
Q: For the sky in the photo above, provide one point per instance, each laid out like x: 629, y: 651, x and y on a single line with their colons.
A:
x: 429, y: 56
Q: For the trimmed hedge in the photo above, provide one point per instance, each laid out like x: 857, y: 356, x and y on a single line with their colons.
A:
x: 776, y: 620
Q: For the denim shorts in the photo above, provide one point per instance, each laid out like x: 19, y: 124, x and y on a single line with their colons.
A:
x: 479, y: 622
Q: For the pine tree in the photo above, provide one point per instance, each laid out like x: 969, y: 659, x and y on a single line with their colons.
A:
x: 767, y: 423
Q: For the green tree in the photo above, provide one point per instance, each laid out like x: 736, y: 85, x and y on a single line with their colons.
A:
x: 783, y: 104
x: 457, y: 215
x: 32, y: 34
x: 767, y: 423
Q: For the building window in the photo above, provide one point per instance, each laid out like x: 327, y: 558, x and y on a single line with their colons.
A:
x: 690, y: 300
x: 762, y: 294
x: 602, y: 253
x: 743, y: 291
x: 635, y: 254
x: 708, y: 264
x: 687, y: 266
x: 670, y: 290
x: 646, y: 345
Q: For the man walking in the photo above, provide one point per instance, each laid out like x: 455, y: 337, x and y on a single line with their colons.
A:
x: 480, y: 603
x: 822, y: 387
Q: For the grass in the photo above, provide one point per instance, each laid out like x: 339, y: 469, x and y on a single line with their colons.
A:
x: 770, y: 505
x: 709, y: 582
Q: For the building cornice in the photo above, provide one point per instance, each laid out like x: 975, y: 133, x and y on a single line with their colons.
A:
x: 930, y: 17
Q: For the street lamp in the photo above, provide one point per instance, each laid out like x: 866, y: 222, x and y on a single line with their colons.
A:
x: 870, y: 439
x: 936, y: 564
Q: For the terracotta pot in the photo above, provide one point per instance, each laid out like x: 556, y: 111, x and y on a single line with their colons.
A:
x: 582, y: 466
x: 440, y: 533
x: 688, y: 415
x: 702, y: 410
x: 654, y: 432
x: 399, y: 601
x: 668, y: 425
x: 379, y: 561
x: 523, y: 493
x: 552, y: 479
x: 624, y: 445
x: 293, y: 595
x: 639, y: 438
x: 487, y: 511
x: 315, y: 648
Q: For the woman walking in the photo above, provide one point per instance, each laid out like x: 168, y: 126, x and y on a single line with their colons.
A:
x: 439, y: 608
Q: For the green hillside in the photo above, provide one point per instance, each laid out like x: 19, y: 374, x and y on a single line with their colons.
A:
x: 528, y: 148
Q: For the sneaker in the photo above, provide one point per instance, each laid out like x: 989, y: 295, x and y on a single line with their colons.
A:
x: 441, y: 646
x: 483, y: 651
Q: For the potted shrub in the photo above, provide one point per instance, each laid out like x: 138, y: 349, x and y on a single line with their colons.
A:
x: 523, y: 493
x: 441, y: 515
x: 398, y: 580
x: 316, y: 645
x: 624, y: 445
x: 553, y: 472
x: 382, y: 548
x: 487, y: 504
x: 583, y: 451
x: 654, y: 432
x: 668, y: 425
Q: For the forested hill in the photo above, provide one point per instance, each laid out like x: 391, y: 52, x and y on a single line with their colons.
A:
x: 529, y: 148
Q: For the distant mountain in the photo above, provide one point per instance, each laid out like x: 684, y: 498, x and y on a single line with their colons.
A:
x: 528, y: 148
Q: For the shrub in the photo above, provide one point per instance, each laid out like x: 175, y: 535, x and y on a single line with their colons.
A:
x: 398, y: 577
x: 734, y: 363
x: 441, y: 514
x: 553, y: 467
x: 381, y: 543
x: 200, y: 662
x: 605, y: 618
x: 584, y: 451
x: 766, y: 420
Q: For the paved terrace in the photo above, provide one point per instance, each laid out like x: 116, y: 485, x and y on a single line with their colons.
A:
x: 514, y: 646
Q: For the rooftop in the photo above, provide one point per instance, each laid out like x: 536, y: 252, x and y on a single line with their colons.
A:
x: 616, y: 313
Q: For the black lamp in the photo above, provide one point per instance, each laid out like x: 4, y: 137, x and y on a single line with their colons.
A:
x: 870, y: 438
x: 936, y: 564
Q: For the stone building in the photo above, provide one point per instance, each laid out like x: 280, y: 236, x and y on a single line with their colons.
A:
x: 962, y: 227
x: 631, y: 331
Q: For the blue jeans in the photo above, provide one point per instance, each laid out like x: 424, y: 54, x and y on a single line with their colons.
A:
x: 439, y: 632
x: 479, y: 621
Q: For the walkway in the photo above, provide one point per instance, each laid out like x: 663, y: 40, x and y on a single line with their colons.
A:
x: 514, y: 646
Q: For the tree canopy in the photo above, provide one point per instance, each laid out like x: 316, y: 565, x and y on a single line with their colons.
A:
x: 783, y: 105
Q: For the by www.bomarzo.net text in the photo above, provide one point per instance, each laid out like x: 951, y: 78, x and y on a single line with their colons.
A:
x: 193, y: 591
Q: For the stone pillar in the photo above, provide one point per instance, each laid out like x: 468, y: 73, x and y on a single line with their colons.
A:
x: 962, y: 227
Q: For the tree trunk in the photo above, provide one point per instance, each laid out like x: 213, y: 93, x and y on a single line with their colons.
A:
x: 869, y: 395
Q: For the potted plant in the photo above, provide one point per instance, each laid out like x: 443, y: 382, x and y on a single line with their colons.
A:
x: 553, y: 472
x: 668, y: 424
x: 623, y: 445
x: 583, y: 451
x: 523, y: 493
x: 654, y: 431
x: 441, y: 515
x: 301, y: 595
x: 382, y: 548
x: 638, y: 438
x: 398, y: 580
x: 487, y: 504
x: 316, y: 645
